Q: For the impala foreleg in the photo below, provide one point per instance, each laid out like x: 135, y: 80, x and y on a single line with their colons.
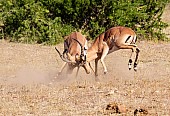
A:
x: 91, y: 67
x: 96, y: 66
x: 96, y: 73
x: 104, y: 53
x: 62, y: 68
x: 77, y: 70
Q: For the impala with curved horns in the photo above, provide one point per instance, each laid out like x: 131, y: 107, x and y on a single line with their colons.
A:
x: 74, y: 54
x: 113, y: 39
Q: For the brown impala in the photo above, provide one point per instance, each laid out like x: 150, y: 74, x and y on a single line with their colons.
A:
x: 113, y: 39
x: 74, y: 55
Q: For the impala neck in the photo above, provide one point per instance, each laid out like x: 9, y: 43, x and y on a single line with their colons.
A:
x: 92, y: 52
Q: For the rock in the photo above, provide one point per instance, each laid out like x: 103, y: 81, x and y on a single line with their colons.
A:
x: 140, y: 112
x: 116, y: 108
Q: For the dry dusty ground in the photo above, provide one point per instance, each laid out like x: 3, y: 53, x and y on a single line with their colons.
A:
x: 27, y: 87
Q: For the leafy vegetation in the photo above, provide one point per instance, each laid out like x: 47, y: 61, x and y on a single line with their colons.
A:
x: 46, y: 21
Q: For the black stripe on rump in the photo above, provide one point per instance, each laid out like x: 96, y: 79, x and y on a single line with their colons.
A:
x: 127, y: 39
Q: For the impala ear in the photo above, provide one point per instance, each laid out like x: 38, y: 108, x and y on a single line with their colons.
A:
x: 77, y: 57
x: 65, y: 37
x: 88, y: 38
x: 69, y: 56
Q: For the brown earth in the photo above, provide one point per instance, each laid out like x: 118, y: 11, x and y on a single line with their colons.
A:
x: 29, y: 84
x: 28, y: 87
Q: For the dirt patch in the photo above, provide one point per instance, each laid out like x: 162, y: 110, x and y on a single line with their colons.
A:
x: 29, y: 84
x: 40, y: 64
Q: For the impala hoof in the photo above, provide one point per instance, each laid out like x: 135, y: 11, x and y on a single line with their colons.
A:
x: 130, y: 66
x: 59, y: 73
x: 135, y: 68
x: 96, y: 75
x: 105, y: 72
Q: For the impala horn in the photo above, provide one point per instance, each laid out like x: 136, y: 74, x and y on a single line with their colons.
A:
x: 82, y: 50
x: 62, y: 57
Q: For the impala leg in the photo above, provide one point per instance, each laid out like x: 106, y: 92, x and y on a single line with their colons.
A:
x: 130, y: 59
x: 77, y: 70
x: 96, y: 65
x: 128, y: 46
x: 104, y: 53
x: 70, y: 68
x: 91, y: 67
x: 96, y: 73
x: 62, y: 68
x: 136, y: 58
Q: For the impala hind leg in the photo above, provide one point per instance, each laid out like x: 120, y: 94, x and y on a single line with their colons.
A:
x: 136, y: 59
x: 104, y: 53
x: 128, y: 46
x: 130, y: 59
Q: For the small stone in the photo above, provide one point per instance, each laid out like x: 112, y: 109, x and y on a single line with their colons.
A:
x: 116, y: 108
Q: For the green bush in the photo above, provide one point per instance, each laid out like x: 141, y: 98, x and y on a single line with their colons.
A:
x: 27, y: 21
x: 46, y: 21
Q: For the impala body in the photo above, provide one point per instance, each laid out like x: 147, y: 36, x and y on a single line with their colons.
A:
x: 74, y: 55
x: 113, y: 39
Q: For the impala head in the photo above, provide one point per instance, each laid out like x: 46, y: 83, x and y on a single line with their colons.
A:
x: 81, y: 59
x: 74, y: 60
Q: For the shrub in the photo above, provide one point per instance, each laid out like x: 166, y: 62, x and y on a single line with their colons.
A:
x: 46, y: 21
x: 27, y: 21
